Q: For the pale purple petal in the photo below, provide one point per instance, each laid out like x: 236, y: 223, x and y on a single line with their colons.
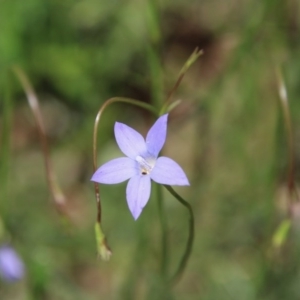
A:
x: 167, y: 171
x: 116, y: 171
x: 11, y: 265
x: 156, y: 136
x: 130, y: 141
x: 138, y: 193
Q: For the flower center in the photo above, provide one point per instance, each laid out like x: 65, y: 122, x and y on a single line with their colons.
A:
x: 145, y: 164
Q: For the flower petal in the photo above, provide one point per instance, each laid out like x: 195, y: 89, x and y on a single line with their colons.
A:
x: 116, y: 171
x: 130, y: 141
x: 156, y: 136
x: 167, y: 171
x: 11, y: 265
x: 138, y: 193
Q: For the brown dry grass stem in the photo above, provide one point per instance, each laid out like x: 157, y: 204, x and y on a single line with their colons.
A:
x: 58, y: 197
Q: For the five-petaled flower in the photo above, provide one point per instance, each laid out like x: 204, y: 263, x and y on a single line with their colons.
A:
x: 141, y: 164
x: 11, y: 265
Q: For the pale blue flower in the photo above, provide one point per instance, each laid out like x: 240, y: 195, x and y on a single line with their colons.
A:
x: 11, y: 265
x: 141, y: 164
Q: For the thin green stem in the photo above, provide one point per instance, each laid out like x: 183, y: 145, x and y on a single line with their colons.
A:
x: 164, y: 231
x: 193, y: 57
x: 183, y: 262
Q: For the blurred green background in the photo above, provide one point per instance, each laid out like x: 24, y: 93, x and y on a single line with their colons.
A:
x: 228, y: 135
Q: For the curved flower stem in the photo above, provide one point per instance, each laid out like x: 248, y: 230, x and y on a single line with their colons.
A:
x: 57, y: 194
x: 177, y: 275
x: 103, y: 249
x: 164, y: 233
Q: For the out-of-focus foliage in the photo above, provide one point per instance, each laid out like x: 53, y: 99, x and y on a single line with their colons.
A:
x: 228, y: 135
